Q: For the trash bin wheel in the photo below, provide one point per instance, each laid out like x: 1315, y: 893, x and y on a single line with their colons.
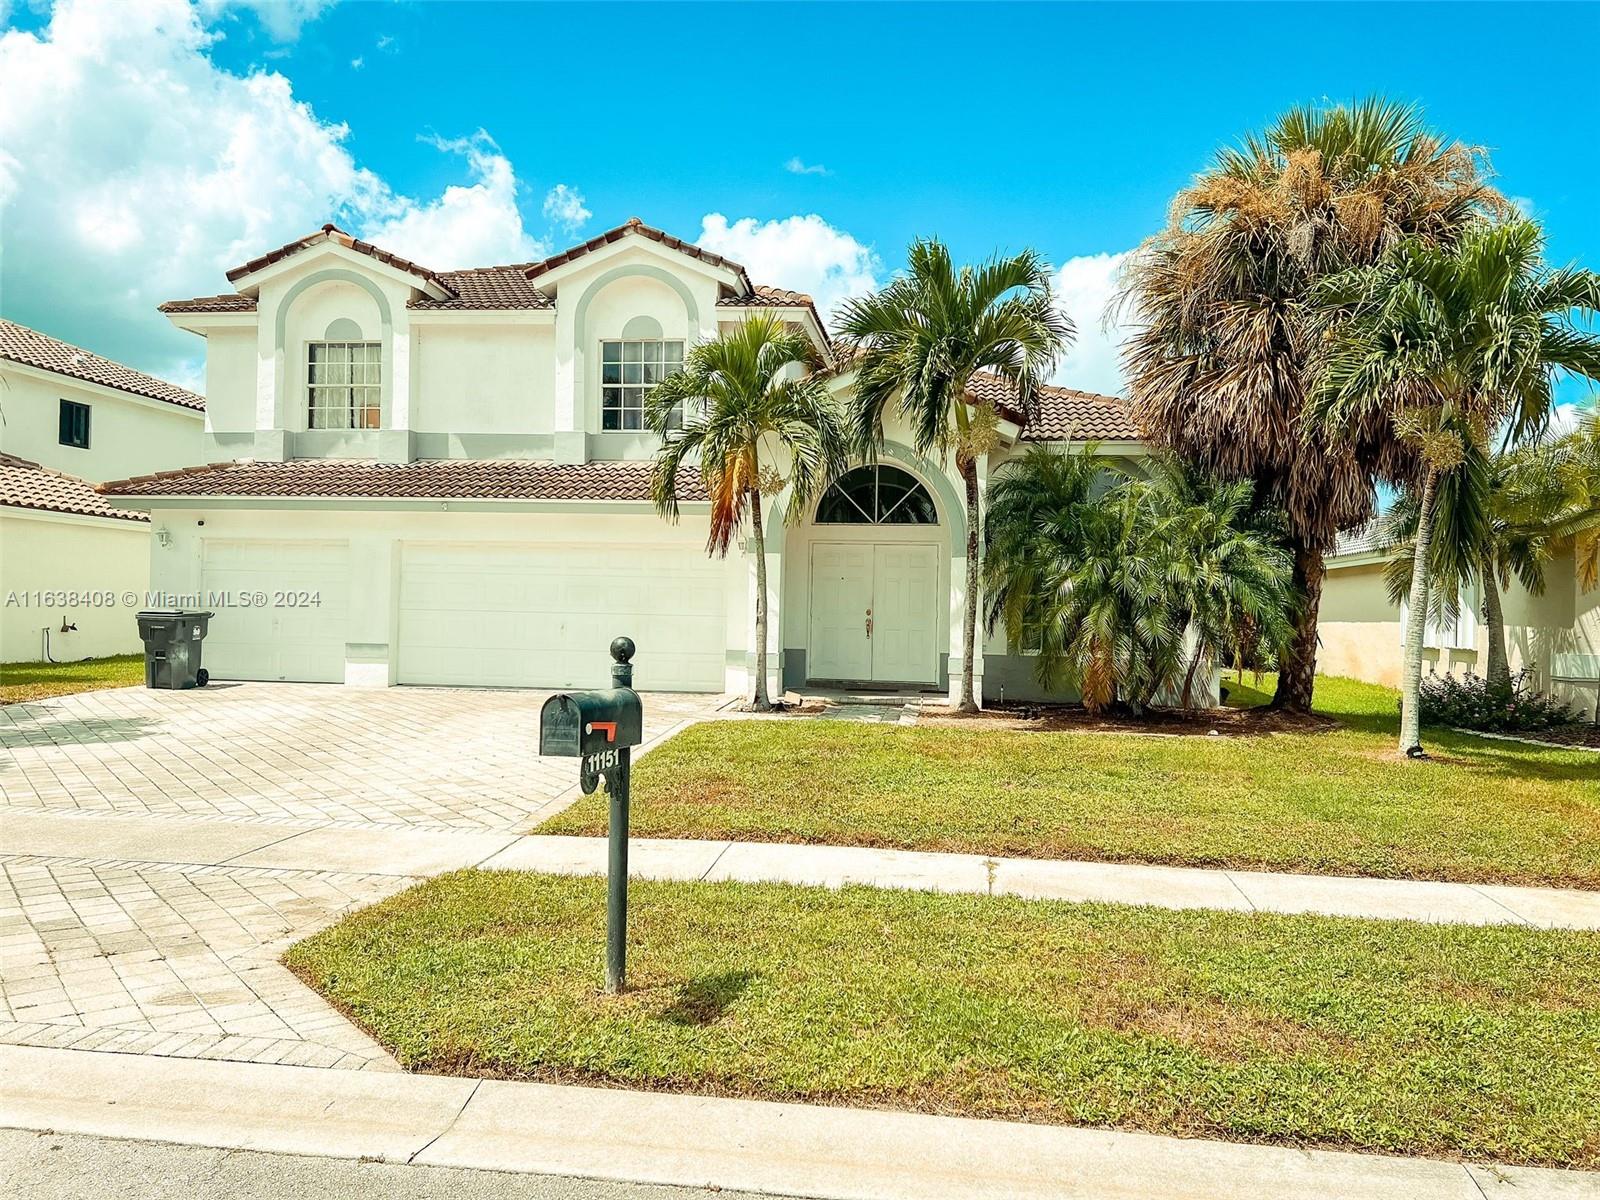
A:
x: 202, y: 677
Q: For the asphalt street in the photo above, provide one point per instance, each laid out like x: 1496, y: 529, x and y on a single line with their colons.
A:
x: 51, y: 1166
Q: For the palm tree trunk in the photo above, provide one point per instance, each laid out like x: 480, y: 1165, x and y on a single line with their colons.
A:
x: 969, y: 622
x: 760, y: 701
x: 1297, y: 667
x: 1498, y: 664
x: 1188, y: 679
x: 1416, y: 623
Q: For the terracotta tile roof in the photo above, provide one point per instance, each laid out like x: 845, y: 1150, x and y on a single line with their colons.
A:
x: 635, y: 225
x: 488, y: 287
x: 332, y: 233
x: 232, y: 302
x: 1064, y: 414
x: 430, y: 479
x: 25, y: 484
x: 1364, y: 539
x: 762, y: 296
x: 31, y: 348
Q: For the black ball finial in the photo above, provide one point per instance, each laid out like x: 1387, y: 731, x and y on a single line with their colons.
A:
x: 622, y: 649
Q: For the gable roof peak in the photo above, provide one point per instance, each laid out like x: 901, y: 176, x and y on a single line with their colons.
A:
x: 332, y: 233
x: 636, y: 226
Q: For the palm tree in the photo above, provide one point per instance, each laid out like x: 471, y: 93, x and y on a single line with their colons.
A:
x: 1107, y: 572
x: 918, y: 343
x: 1448, y: 343
x: 1219, y: 366
x: 750, y: 391
x: 1499, y: 517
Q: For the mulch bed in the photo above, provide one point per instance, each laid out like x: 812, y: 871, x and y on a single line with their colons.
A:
x: 1567, y: 735
x: 1172, y: 722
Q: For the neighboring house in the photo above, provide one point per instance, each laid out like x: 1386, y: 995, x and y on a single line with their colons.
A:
x: 441, y: 477
x: 1556, y: 634
x: 68, y: 559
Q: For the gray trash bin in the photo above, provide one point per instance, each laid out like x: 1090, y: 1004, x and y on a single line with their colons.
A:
x: 172, y: 647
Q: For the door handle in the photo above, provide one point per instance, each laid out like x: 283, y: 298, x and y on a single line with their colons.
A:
x: 869, y: 622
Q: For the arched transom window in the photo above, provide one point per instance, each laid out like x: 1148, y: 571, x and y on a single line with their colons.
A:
x: 876, y: 495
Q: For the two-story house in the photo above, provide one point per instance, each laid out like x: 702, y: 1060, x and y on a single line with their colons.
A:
x: 442, y: 477
x: 74, y: 569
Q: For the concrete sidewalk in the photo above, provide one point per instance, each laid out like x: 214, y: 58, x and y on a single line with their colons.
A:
x: 697, y: 1141
x: 411, y: 852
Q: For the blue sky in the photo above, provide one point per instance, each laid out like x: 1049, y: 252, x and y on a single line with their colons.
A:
x: 825, y: 135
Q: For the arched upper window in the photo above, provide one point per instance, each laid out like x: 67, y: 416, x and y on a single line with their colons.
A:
x: 876, y: 495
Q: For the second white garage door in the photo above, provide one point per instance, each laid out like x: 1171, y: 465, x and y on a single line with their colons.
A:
x: 488, y: 615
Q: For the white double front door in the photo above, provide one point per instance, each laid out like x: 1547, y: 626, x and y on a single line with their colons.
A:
x: 874, y: 612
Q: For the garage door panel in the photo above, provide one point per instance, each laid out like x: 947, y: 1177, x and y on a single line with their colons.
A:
x: 541, y: 616
x: 277, y: 641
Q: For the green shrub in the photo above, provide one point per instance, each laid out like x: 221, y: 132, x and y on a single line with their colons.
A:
x: 1471, y: 702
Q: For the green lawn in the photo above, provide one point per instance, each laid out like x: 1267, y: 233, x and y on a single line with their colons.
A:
x: 36, y: 680
x: 1326, y: 801
x: 1383, y: 1036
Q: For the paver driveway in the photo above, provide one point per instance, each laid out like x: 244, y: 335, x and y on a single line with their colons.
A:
x: 301, y: 753
x: 148, y: 953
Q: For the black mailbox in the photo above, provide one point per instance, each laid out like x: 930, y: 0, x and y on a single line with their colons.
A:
x: 600, y: 729
x: 580, y: 724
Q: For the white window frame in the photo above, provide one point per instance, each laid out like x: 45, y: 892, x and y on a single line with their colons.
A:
x: 629, y: 394
x: 361, y: 402
x: 1462, y: 634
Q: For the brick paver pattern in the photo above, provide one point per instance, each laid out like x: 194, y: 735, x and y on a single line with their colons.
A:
x: 152, y: 958
x: 149, y: 959
x: 415, y: 757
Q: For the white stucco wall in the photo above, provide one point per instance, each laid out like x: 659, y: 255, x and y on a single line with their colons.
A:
x: 50, y: 552
x: 230, y: 380
x: 128, y: 435
x: 1556, y: 634
x: 485, y: 378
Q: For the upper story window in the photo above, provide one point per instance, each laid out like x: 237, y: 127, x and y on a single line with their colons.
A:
x: 74, y: 424
x: 343, y: 384
x: 629, y: 369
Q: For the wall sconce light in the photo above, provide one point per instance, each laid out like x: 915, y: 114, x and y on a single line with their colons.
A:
x: 164, y: 536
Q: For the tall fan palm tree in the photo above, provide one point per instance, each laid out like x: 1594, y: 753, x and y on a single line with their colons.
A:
x: 1501, y: 516
x: 748, y: 393
x: 922, y: 338
x: 1219, y: 366
x: 1446, y: 344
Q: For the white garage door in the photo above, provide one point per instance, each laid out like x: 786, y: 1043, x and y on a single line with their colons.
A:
x: 483, y: 615
x: 299, y: 632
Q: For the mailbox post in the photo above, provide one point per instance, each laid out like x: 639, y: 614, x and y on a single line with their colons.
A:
x: 600, y: 729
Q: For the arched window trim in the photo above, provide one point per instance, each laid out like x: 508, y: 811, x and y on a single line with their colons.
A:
x: 914, y: 503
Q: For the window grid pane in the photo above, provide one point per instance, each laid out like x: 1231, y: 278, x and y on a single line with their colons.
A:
x: 343, y: 381
x: 628, y: 370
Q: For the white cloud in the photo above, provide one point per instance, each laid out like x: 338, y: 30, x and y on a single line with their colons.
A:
x: 797, y: 166
x: 1564, y: 418
x: 1084, y: 289
x: 564, y: 205
x: 283, y: 19
x: 357, y: 63
x: 135, y: 170
x: 804, y: 253
x: 475, y: 225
